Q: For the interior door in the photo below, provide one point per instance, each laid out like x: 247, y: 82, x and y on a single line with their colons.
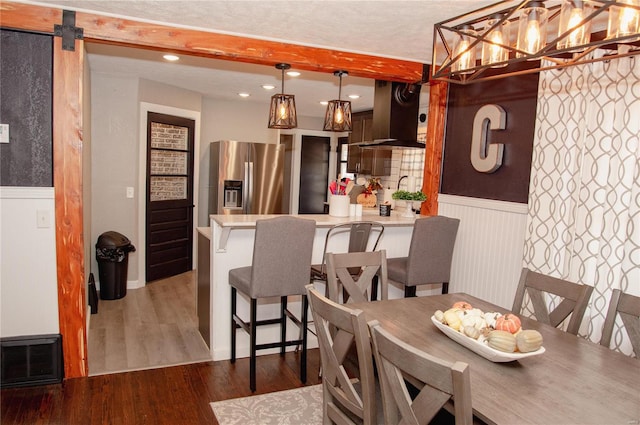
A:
x: 314, y: 174
x: 169, y: 227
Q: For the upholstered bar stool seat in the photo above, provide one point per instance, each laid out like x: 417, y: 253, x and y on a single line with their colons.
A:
x: 280, y: 268
x: 430, y: 255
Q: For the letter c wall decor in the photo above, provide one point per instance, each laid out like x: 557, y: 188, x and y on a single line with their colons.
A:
x: 487, y: 157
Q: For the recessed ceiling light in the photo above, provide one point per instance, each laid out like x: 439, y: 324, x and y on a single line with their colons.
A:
x: 268, y: 86
x: 171, y: 58
x: 293, y: 74
x: 354, y: 96
x: 244, y: 94
x: 324, y: 102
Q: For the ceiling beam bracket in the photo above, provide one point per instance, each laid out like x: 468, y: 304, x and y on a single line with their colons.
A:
x: 68, y: 30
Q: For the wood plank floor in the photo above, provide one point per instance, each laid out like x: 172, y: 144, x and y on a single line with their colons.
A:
x: 154, y: 326
x: 178, y: 395
x: 148, y: 328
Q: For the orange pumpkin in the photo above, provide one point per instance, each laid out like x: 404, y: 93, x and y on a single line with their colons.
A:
x: 462, y: 305
x: 508, y: 322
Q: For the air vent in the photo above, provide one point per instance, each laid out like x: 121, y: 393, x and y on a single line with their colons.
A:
x: 31, y: 360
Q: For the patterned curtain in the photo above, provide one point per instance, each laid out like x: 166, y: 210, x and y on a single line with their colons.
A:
x: 584, y: 198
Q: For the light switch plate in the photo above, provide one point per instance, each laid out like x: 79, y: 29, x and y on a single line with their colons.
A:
x: 129, y: 192
x: 4, y: 133
x: 43, y: 219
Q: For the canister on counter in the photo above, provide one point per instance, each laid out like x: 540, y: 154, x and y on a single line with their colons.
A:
x: 385, y: 210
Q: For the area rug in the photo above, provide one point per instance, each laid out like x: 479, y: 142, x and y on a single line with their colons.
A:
x: 300, y: 406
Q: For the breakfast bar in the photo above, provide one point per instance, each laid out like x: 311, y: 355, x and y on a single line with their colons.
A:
x: 231, y: 245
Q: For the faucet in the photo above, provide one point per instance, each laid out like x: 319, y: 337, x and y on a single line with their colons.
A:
x: 400, y: 179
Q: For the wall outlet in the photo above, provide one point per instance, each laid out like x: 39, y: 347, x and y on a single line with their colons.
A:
x: 4, y: 133
x: 130, y: 192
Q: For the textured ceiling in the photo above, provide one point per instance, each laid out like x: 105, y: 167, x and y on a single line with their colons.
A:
x: 395, y: 29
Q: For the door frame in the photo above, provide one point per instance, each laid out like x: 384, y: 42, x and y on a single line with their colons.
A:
x: 142, y: 179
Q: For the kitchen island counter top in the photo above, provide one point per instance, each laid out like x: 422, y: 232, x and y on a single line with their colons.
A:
x: 322, y: 220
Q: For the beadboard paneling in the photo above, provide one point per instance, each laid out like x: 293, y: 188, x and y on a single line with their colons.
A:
x: 487, y: 259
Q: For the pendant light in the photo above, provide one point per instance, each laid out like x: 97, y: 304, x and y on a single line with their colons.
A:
x: 282, y: 113
x: 338, y: 115
x: 624, y: 21
x: 498, y: 35
x: 532, y: 28
x: 572, y: 15
x: 464, y: 51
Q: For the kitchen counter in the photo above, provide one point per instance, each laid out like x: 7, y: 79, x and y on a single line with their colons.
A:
x: 231, y: 246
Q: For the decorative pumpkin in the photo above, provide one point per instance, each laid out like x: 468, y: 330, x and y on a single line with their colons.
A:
x: 451, y: 318
x: 502, y: 341
x: 508, y: 322
x: 439, y: 315
x: 528, y: 340
x: 463, y: 305
x: 471, y: 332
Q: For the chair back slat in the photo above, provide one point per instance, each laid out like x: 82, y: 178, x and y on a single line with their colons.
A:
x: 575, y: 299
x: 356, y: 287
x: 339, y: 329
x: 628, y: 307
x: 400, y: 364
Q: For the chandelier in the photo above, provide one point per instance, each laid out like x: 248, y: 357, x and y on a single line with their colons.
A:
x: 487, y: 43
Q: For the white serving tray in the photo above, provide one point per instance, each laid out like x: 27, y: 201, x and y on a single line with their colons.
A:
x: 481, y: 348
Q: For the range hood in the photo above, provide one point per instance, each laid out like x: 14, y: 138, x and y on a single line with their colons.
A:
x: 395, y: 116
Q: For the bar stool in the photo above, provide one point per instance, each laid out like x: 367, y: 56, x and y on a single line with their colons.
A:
x: 280, y: 268
x: 430, y: 255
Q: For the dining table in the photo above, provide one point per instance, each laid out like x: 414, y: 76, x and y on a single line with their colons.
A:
x: 574, y: 381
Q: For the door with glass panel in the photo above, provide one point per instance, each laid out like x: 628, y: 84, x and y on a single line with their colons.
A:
x: 169, y: 215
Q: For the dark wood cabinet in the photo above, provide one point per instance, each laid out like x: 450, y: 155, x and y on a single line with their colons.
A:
x: 376, y: 162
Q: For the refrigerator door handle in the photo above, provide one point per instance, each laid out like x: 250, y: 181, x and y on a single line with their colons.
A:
x: 248, y: 181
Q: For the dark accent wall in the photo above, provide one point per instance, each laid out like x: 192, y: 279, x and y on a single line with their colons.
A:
x: 26, y: 62
x: 518, y: 97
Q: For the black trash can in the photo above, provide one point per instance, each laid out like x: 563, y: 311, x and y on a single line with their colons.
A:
x: 112, y: 253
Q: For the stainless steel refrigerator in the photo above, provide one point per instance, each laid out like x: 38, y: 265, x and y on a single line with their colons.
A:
x: 246, y: 178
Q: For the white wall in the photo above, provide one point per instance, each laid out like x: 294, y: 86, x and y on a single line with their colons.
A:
x: 114, y: 164
x: 28, y: 280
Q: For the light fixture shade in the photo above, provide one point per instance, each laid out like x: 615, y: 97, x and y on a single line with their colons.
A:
x: 532, y: 28
x: 282, y: 113
x: 338, y: 116
x: 462, y: 50
x: 623, y: 20
x: 572, y: 13
x: 492, y: 53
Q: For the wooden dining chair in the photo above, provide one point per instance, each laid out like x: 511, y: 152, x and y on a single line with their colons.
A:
x: 349, y: 395
x: 628, y: 307
x: 343, y: 281
x: 280, y: 268
x: 403, y: 369
x: 430, y: 255
x: 575, y: 298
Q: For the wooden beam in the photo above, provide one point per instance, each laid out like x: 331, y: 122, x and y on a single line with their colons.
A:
x: 67, y: 181
x: 438, y: 91
x: 104, y: 29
